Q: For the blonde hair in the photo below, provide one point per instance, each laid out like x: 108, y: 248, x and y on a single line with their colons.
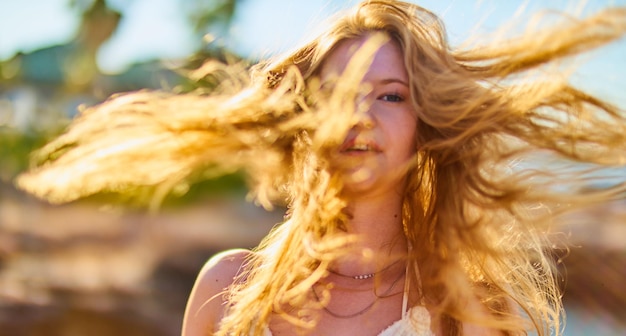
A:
x: 465, y: 208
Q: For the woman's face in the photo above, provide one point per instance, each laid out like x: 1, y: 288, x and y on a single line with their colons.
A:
x: 383, y: 139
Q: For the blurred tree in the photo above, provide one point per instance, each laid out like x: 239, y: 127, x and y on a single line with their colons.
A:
x: 71, y: 66
x: 41, y: 90
x: 210, y: 21
x: 211, y: 17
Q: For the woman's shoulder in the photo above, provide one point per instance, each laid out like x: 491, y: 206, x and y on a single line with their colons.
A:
x: 223, y: 266
x: 220, y: 271
x: 206, y: 303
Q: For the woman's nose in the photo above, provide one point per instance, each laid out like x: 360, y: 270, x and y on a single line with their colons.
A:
x: 365, y: 120
x: 364, y: 114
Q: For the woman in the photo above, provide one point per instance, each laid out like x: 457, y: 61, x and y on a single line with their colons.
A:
x: 393, y: 153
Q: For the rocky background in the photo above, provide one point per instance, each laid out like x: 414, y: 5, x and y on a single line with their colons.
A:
x: 84, y: 270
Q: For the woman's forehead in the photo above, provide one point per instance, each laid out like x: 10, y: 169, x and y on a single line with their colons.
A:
x: 388, y: 60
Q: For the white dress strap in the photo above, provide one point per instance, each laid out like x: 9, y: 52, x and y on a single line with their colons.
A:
x: 405, y: 296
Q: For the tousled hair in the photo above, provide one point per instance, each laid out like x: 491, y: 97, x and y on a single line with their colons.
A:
x: 467, y: 209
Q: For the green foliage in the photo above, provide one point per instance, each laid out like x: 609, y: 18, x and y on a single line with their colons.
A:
x: 210, y: 15
x: 227, y: 185
x: 197, y: 191
x: 15, y: 149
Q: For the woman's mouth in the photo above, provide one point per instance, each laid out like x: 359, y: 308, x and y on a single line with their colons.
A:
x: 354, y: 147
x: 358, y: 148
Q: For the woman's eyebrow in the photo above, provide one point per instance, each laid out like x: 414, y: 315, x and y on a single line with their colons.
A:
x: 392, y: 80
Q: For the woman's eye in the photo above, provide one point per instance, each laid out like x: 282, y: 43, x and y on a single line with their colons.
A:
x: 392, y: 98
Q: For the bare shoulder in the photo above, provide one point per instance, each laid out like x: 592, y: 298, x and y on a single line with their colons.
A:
x: 205, y: 306
x: 222, y: 267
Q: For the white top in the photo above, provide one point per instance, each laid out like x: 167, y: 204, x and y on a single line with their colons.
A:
x: 415, y: 322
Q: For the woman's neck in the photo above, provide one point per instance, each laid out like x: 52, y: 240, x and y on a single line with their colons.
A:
x: 377, y: 224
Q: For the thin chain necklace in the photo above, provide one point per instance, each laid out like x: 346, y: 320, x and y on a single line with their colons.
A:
x: 364, y: 276
x: 368, y: 307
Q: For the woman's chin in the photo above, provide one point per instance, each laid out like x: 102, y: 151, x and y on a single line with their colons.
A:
x: 352, y: 190
x: 366, y: 182
x: 362, y: 185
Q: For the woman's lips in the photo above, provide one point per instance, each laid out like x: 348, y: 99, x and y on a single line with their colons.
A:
x: 355, y: 146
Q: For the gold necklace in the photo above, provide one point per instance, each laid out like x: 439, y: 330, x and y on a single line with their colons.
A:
x: 368, y: 307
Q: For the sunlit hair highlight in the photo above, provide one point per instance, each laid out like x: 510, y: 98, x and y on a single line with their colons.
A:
x: 478, y: 224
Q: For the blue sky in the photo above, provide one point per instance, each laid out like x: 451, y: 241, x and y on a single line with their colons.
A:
x: 157, y: 29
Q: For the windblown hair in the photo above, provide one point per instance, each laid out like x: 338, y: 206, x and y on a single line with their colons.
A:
x: 466, y: 207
